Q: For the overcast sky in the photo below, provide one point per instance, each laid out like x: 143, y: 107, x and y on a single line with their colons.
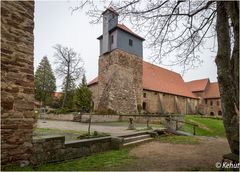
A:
x: 54, y: 24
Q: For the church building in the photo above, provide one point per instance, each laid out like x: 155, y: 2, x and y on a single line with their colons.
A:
x: 128, y: 85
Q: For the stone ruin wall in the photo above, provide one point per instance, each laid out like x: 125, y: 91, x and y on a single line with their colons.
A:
x: 120, y: 82
x: 17, y: 81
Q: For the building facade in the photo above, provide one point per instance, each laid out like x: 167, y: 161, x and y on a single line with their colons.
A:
x: 128, y: 85
x: 208, y: 95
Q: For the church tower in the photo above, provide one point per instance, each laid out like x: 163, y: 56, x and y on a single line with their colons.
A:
x: 120, y: 67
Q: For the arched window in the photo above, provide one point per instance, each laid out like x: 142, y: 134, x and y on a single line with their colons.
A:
x: 219, y: 113
x: 144, y: 105
x: 212, y: 113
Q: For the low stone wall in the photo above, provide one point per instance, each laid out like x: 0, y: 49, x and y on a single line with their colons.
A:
x: 113, y: 118
x: 48, y: 149
x: 100, y: 118
x: 80, y: 148
x: 60, y: 117
x: 55, y: 149
x: 138, y: 119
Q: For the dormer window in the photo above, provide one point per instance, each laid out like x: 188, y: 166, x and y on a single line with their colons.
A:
x: 130, y: 42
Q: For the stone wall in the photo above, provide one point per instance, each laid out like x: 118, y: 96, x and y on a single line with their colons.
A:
x: 212, y: 107
x: 166, y: 103
x: 48, y: 149
x: 55, y: 149
x: 60, y: 117
x: 100, y: 118
x: 119, y: 82
x: 94, y: 89
x: 17, y: 77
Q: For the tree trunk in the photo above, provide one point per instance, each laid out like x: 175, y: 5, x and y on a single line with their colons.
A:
x: 67, y: 85
x: 227, y: 68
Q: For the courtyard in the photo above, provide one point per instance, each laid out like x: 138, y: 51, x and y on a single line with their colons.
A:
x: 166, y: 152
x: 112, y: 128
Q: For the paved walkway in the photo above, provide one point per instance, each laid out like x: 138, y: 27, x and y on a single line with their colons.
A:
x: 115, y: 129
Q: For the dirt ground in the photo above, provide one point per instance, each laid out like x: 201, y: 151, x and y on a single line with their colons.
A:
x: 157, y: 156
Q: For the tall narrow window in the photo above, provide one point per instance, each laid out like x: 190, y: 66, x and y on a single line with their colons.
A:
x: 112, y: 39
x: 130, y: 42
x: 144, y: 95
x: 211, y: 103
x: 144, y: 105
x: 206, y: 102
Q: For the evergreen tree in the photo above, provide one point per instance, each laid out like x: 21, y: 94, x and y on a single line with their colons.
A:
x: 69, y: 101
x: 45, y: 82
x: 83, y: 97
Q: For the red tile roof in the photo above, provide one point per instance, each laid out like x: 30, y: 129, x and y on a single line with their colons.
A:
x: 159, y: 79
x: 126, y: 29
x: 198, y: 85
x: 212, y: 91
x: 57, y: 95
x: 94, y: 81
x: 162, y: 80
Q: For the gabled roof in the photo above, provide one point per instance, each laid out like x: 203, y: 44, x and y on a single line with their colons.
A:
x: 212, y: 91
x: 198, y: 85
x: 110, y: 9
x: 162, y: 80
x: 159, y: 79
x: 125, y: 29
x: 94, y: 81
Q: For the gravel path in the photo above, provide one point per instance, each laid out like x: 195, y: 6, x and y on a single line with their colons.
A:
x: 68, y: 125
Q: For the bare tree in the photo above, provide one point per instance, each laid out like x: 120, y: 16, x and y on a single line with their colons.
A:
x: 184, y: 27
x: 69, y: 66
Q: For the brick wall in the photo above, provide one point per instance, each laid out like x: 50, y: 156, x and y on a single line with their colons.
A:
x: 17, y: 77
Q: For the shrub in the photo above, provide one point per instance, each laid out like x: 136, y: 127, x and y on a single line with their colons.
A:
x: 95, y: 134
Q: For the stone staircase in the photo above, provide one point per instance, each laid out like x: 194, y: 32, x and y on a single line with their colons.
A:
x: 137, y: 138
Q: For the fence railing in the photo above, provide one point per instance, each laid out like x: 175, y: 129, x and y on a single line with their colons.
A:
x: 192, y: 124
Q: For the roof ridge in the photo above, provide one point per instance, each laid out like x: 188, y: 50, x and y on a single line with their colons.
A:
x: 198, y: 80
x: 162, y: 68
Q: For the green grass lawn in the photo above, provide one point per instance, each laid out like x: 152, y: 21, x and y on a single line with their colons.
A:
x: 207, y: 126
x: 69, y: 134
x: 110, y: 160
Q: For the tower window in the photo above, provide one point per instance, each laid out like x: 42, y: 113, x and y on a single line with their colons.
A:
x: 144, y: 95
x: 130, y: 42
x: 211, y: 103
x: 206, y: 102
x: 112, y: 39
x: 218, y: 103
